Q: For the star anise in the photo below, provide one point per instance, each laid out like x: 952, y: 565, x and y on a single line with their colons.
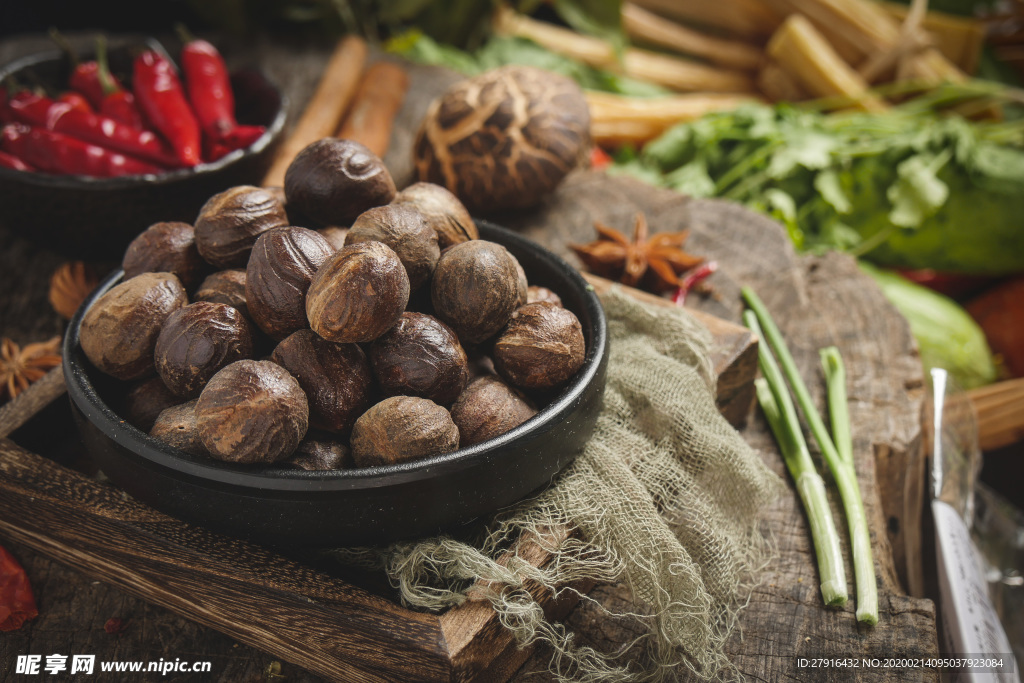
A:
x: 654, y: 262
x: 19, y: 367
x: 69, y: 285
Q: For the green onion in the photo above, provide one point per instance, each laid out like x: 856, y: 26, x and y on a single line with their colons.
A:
x: 843, y: 473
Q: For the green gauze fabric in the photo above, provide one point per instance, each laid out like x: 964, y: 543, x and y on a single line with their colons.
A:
x: 664, y: 499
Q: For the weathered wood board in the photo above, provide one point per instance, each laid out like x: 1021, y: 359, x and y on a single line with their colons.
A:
x: 817, y: 301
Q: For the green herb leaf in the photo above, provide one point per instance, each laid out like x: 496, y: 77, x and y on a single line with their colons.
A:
x: 830, y: 188
x: 918, y: 192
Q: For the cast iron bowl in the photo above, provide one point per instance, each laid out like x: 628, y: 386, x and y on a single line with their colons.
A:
x: 279, y: 506
x: 96, y: 218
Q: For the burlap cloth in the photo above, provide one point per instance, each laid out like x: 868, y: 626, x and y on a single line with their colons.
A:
x: 664, y: 499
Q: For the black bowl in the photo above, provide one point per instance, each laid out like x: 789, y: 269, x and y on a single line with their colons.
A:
x: 358, y: 506
x: 96, y: 218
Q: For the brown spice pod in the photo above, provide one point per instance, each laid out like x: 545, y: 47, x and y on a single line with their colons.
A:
x: 319, y: 455
x: 176, y: 427
x: 225, y: 287
x: 252, y: 412
x: 281, y: 266
x: 196, y: 342
x: 489, y: 408
x: 442, y: 210
x: 420, y: 356
x: 229, y: 223
x: 535, y: 294
x: 336, y: 377
x: 358, y: 294
x: 168, y: 247
x: 146, y: 400
x: 120, y: 329
x: 402, y: 428
x: 541, y: 348
x: 475, y: 289
x: 404, y: 230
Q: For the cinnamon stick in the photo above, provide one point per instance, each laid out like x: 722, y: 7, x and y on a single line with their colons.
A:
x: 376, y: 103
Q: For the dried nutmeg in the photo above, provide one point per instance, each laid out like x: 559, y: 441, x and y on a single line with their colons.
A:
x: 402, y: 428
x: 281, y: 266
x: 488, y: 408
x: 442, y: 210
x: 230, y: 222
x: 523, y: 287
x: 196, y: 342
x: 535, y: 294
x: 252, y: 412
x: 404, y: 230
x: 225, y: 287
x: 120, y: 329
x: 541, y: 347
x: 334, y: 235
x: 420, y: 356
x: 146, y: 400
x: 165, y: 248
x: 336, y: 377
x: 358, y: 294
x: 176, y: 427
x: 332, y: 181
x: 475, y: 289
x: 317, y: 455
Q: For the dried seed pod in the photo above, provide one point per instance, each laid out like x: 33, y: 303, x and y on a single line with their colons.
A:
x: 146, y: 400
x: 336, y: 377
x: 541, y: 347
x: 281, y: 266
x: 475, y: 289
x: 332, y: 181
x: 196, y: 342
x: 404, y: 230
x: 165, y: 248
x: 252, y: 412
x: 488, y: 408
x: 334, y: 235
x: 535, y: 294
x: 176, y: 427
x: 320, y: 456
x: 358, y: 294
x: 120, y: 329
x: 225, y: 287
x: 442, y: 210
x: 420, y: 356
x: 230, y: 222
x: 402, y: 428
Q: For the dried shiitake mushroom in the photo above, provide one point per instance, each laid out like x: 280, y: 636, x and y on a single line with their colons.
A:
x: 489, y: 408
x: 165, y: 248
x: 402, y: 428
x: 336, y: 377
x: 176, y: 427
x: 420, y: 356
x: 230, y: 222
x: 332, y: 181
x: 404, y: 230
x: 442, y: 210
x: 225, y: 287
x: 120, y: 329
x: 197, y: 341
x: 505, y: 138
x: 281, y: 266
x: 475, y: 289
x: 252, y: 412
x: 541, y: 347
x: 358, y: 294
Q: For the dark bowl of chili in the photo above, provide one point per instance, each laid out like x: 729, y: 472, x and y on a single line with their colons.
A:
x: 95, y: 217
x: 373, y: 505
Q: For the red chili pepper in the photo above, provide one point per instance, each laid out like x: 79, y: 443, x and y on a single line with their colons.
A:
x: 118, y: 103
x: 56, y: 153
x: 85, y: 79
x: 17, y: 605
x: 11, y: 161
x: 99, y: 130
x: 691, y: 279
x: 209, y: 88
x: 599, y: 158
x: 241, y: 137
x: 76, y: 101
x: 163, y: 102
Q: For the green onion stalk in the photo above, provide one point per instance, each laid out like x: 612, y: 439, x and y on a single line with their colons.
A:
x: 841, y: 466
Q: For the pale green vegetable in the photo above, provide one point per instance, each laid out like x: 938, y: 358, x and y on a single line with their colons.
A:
x: 946, y: 335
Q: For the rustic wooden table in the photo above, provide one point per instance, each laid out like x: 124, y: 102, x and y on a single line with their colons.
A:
x: 818, y: 301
